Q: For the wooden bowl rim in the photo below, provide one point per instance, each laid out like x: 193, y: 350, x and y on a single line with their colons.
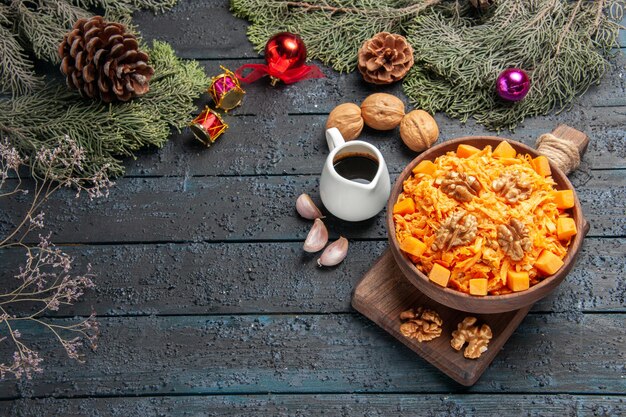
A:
x: 431, y: 154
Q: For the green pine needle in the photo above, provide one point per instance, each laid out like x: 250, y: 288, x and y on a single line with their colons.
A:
x: 564, y: 45
x: 459, y: 56
x: 16, y: 69
x: 106, y: 131
x: 332, y: 30
x: 38, y: 26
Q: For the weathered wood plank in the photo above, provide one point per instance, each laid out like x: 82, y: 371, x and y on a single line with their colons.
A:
x: 322, y: 95
x: 318, y: 354
x: 204, y: 29
x: 342, y: 353
x: 247, y: 208
x: 254, y: 278
x: 198, y: 29
x: 283, y: 137
x: 400, y: 405
x: 283, y: 129
x: 270, y: 144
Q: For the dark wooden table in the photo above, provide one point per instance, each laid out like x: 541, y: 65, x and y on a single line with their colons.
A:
x: 208, y: 305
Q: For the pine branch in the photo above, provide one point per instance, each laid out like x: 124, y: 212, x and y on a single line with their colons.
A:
x: 459, y: 58
x: 372, y: 11
x: 458, y: 52
x: 38, y: 26
x: 106, y: 132
x: 16, y: 73
x: 332, y: 30
x: 39, y: 29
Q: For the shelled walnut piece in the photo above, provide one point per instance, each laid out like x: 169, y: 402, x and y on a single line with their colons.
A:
x: 458, y: 229
x: 459, y: 186
x: 421, y: 324
x: 514, y: 240
x: 476, y: 337
x: 510, y: 186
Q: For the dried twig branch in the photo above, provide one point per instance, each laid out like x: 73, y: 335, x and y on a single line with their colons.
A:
x: 45, y: 280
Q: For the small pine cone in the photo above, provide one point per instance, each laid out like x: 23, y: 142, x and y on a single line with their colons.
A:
x: 386, y: 58
x: 101, y: 60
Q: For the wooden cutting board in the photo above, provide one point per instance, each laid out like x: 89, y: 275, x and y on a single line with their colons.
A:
x: 383, y: 293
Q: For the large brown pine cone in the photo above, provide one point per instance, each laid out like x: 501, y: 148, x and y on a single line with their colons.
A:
x: 386, y: 58
x: 101, y: 59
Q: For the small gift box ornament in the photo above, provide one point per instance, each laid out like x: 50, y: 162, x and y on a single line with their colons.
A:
x: 208, y: 126
x: 226, y: 90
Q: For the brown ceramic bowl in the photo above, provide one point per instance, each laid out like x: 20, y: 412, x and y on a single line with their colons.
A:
x: 490, y: 303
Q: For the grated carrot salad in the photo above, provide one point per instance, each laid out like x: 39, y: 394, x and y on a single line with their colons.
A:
x: 483, y: 257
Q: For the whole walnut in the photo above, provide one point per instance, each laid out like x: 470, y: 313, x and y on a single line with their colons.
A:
x: 347, y: 118
x: 382, y: 111
x: 419, y: 130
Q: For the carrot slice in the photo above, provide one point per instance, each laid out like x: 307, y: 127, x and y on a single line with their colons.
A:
x: 465, y: 151
x: 406, y: 206
x: 504, y: 150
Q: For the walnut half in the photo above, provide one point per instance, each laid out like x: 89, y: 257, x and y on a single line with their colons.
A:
x: 513, y: 239
x: 510, y: 186
x: 458, y: 229
x: 477, y: 338
x: 459, y: 186
x: 421, y: 324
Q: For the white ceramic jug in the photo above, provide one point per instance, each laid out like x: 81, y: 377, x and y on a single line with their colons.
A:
x: 349, y: 199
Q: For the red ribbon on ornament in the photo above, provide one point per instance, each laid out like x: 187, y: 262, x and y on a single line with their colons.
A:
x: 305, y: 72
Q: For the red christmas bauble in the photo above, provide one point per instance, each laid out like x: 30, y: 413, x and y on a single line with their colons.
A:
x: 285, y: 56
x: 285, y: 51
x: 513, y: 84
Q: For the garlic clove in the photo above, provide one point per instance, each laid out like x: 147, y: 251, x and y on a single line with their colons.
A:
x: 317, y: 237
x: 307, y: 208
x: 334, y: 253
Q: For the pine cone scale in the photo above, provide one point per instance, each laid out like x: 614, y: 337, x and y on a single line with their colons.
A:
x: 143, y: 57
x: 94, y: 44
x: 372, y: 65
x: 118, y: 88
x: 128, y: 56
x: 130, y: 43
x: 79, y: 61
x: 132, y: 84
x: 99, y: 58
x: 102, y: 60
x: 89, y: 73
x: 92, y: 33
x: 116, y: 51
x: 106, y: 70
x: 113, y: 29
x: 65, y: 65
x: 76, y: 81
x: 482, y: 5
x: 77, y: 44
x: 103, y: 87
x: 116, y: 39
x: 90, y: 91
